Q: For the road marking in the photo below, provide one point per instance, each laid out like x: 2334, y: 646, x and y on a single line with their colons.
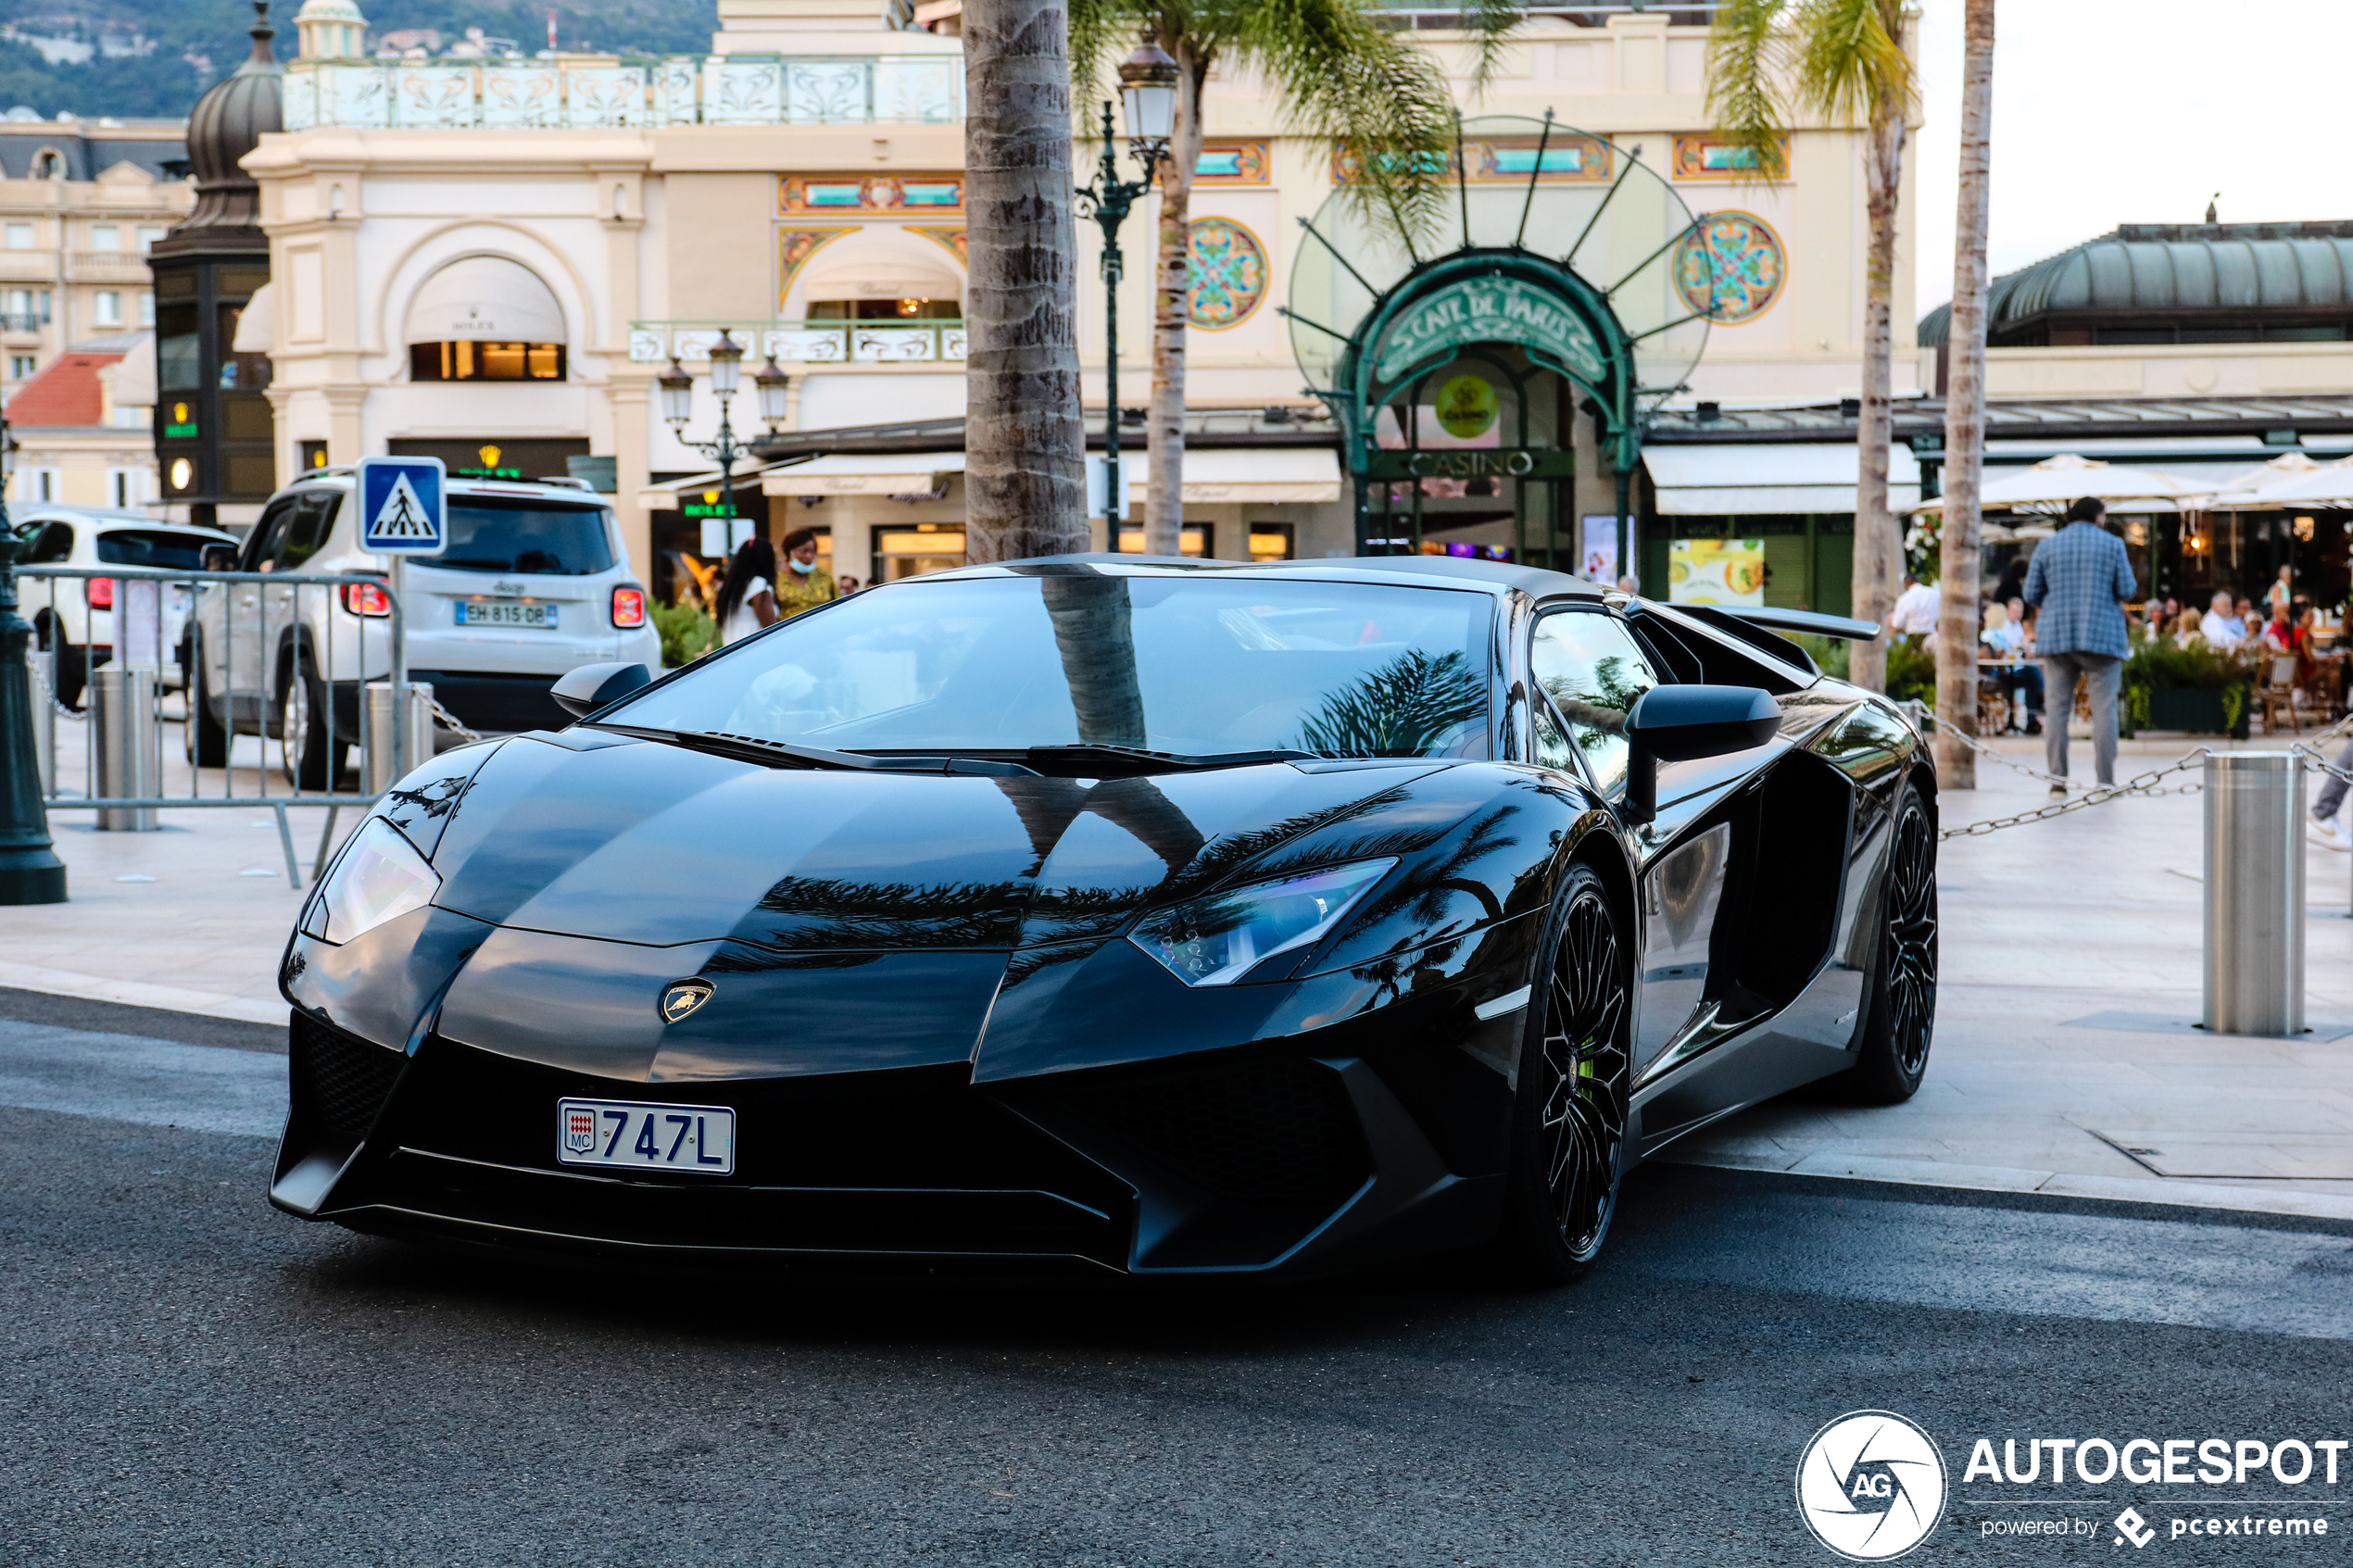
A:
x: 132, y: 1078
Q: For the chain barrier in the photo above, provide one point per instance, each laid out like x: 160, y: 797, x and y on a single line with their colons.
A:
x: 2100, y: 794
x: 449, y: 720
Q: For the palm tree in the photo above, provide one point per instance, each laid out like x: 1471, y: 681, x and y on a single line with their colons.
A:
x: 1771, y: 62
x: 1024, y: 487
x: 1336, y: 70
x: 1965, y: 407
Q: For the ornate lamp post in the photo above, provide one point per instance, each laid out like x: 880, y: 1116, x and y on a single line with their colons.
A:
x: 29, y: 870
x: 677, y: 391
x: 1148, y: 89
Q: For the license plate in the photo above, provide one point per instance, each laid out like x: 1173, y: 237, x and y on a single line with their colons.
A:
x: 635, y: 1136
x: 506, y: 613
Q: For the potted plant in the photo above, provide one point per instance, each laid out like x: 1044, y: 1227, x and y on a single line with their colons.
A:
x: 2197, y: 689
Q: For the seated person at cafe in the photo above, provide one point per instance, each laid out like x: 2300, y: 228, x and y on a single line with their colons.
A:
x: 2005, y: 642
x: 2223, y: 628
x: 2186, y: 629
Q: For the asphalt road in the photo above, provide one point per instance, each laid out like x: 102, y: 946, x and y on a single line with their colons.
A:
x: 188, y: 1376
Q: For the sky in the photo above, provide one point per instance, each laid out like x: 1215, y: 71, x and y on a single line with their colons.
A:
x: 2136, y: 113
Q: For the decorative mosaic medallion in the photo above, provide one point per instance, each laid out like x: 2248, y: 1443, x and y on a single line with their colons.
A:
x: 1730, y: 269
x: 1229, y: 270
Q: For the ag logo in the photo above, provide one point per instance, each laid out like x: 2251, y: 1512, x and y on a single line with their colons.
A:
x: 683, y: 997
x: 1870, y: 1485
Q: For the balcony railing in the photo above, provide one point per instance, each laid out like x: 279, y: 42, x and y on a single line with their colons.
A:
x: 106, y: 266
x: 805, y: 343
x: 580, y: 94
x: 22, y: 321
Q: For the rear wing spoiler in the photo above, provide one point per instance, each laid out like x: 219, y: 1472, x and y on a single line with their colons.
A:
x: 1804, y: 621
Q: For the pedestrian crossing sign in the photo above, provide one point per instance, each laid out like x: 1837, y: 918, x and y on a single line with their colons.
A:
x: 403, y: 507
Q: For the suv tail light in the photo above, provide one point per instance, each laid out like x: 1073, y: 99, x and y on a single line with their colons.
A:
x: 98, y: 592
x: 629, y: 608
x: 366, y: 598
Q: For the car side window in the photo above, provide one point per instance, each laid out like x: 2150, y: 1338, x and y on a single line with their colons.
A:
x: 262, y: 544
x: 1593, y: 670
x: 314, y: 519
x: 52, y: 544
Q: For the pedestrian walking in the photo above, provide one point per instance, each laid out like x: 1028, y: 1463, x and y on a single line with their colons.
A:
x: 2078, y: 583
x: 1916, y: 610
x: 804, y: 586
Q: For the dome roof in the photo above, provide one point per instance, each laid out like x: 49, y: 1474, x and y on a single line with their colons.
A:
x: 2175, y: 267
x: 329, y: 11
x: 228, y: 122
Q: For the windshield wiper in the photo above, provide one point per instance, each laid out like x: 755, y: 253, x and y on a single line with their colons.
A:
x: 1142, y: 760
x: 755, y: 748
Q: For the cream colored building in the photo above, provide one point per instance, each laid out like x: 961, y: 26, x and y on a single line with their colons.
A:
x: 81, y: 200
x: 429, y: 219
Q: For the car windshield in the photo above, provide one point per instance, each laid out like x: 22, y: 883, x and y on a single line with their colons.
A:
x: 154, y: 547
x: 535, y: 538
x: 1195, y: 665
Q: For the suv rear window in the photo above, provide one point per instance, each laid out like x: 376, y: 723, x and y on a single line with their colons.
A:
x: 526, y: 536
x: 154, y: 547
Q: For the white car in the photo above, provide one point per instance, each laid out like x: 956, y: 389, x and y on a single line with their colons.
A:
x: 534, y: 583
x: 73, y: 619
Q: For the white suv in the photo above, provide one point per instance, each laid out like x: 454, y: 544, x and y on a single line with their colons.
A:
x: 73, y: 618
x: 534, y: 583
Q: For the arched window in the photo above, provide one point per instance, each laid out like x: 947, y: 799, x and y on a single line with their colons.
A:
x: 873, y: 285
x: 485, y: 317
x: 48, y: 164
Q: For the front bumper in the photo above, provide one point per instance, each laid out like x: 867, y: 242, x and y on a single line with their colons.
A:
x: 1281, y: 1156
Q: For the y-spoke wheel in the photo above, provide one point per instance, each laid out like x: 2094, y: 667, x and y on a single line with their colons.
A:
x: 1570, y: 1147
x: 1893, y: 1053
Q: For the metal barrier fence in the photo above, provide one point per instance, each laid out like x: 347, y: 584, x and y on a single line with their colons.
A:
x: 227, y: 689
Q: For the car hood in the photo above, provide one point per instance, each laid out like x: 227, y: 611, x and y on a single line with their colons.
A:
x: 592, y: 836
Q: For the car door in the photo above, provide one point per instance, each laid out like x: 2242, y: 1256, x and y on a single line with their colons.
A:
x: 1592, y: 670
x: 229, y: 616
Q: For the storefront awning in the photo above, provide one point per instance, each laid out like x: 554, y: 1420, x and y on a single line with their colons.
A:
x: 1260, y: 476
x: 1770, y: 479
x: 863, y: 473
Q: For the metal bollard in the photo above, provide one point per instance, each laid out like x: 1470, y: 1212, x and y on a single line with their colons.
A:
x: 379, y: 769
x: 2255, y: 893
x: 129, y: 759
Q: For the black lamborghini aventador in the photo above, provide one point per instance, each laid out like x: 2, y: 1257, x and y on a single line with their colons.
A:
x: 1161, y: 917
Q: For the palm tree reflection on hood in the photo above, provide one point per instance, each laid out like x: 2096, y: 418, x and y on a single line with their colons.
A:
x: 1410, y: 707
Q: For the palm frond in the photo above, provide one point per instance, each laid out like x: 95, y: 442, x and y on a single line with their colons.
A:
x: 1373, y: 95
x: 1746, y: 50
x: 1850, y: 60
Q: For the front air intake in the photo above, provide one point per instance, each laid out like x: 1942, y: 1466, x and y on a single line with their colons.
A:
x: 339, y: 1082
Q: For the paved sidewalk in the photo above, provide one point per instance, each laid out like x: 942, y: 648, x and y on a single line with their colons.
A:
x: 2096, y: 915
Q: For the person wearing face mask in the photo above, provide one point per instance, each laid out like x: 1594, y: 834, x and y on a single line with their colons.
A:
x: 804, y: 584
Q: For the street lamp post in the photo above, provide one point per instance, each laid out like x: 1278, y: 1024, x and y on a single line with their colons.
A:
x: 29, y: 870
x: 726, y: 374
x: 1148, y: 89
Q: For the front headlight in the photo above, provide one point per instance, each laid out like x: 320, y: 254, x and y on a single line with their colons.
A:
x: 1213, y: 941
x: 378, y: 877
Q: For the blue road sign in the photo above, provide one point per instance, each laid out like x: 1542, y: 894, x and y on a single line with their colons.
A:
x: 404, y: 506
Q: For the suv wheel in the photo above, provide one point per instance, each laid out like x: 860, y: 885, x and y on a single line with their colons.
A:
x: 204, y: 736
x: 311, y: 755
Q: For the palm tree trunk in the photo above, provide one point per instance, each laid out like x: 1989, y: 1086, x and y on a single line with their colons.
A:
x: 1025, y: 482
x: 1877, y: 543
x: 1965, y: 408
x: 1164, y: 497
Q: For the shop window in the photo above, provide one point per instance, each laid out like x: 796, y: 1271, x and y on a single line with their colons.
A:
x: 468, y: 360
x: 908, y: 552
x: 1193, y: 540
x: 885, y: 310
x: 1274, y: 540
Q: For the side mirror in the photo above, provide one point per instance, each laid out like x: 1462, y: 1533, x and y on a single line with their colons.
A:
x: 219, y: 558
x: 1679, y: 724
x: 597, y: 685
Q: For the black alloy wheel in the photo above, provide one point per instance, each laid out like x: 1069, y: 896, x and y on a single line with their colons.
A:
x: 1576, y: 1069
x: 1901, y: 1023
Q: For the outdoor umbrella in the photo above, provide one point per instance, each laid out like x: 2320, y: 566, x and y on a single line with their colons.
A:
x: 2290, y: 480
x: 2054, y: 482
